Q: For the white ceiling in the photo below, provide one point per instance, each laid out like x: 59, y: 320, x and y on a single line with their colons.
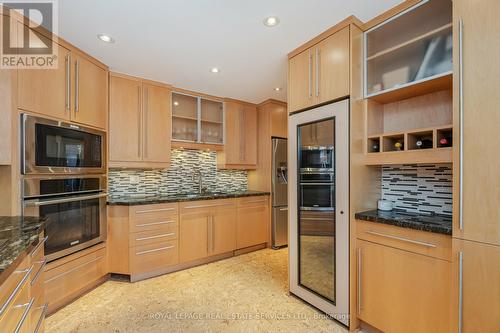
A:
x: 178, y: 41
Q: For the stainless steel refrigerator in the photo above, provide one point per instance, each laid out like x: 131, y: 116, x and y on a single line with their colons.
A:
x: 279, y: 193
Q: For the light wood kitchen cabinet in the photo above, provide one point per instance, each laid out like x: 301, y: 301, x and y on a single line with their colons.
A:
x: 207, y: 228
x: 476, y: 275
x: 476, y: 101
x: 77, y: 90
x: 194, y: 236
x: 253, y: 221
x: 300, y: 81
x: 47, y: 92
x: 140, y: 123
x: 90, y: 105
x: 321, y: 73
x: 400, y: 291
x: 240, y: 151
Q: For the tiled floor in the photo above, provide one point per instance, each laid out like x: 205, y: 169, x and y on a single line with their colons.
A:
x: 247, y: 293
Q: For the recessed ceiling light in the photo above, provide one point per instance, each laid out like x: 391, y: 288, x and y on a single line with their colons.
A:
x: 271, y: 21
x: 277, y: 89
x: 214, y: 70
x: 106, y: 38
x: 176, y: 103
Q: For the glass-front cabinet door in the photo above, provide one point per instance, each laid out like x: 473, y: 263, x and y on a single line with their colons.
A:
x: 197, y: 119
x: 212, y: 121
x: 318, y: 206
x: 184, y: 117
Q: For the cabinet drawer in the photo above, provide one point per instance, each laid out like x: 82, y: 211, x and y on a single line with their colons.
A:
x: 160, y: 235
x: 253, y: 201
x: 206, y: 205
x: 38, y: 260
x: 153, y: 224
x: 152, y: 212
x: 38, y: 318
x: 147, y: 258
x: 17, y: 310
x: 421, y: 242
x: 13, y: 286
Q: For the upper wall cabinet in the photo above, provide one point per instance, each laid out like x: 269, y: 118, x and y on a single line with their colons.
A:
x: 240, y: 152
x: 76, y: 91
x: 140, y: 123
x: 320, y: 73
x: 197, y: 119
x: 414, y: 47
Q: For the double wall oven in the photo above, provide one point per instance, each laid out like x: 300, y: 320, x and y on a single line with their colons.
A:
x: 64, y: 179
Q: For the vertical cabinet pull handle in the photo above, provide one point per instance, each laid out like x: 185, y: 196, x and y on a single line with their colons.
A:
x: 461, y: 121
x: 359, y: 280
x: 318, y: 55
x: 310, y: 75
x: 77, y: 85
x: 139, y: 125
x: 213, y: 234
x: 68, y: 81
x: 460, y: 290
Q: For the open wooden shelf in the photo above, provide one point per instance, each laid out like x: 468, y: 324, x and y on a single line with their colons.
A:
x: 212, y: 121
x: 416, y: 88
x: 197, y: 146
x: 184, y: 117
x: 410, y: 154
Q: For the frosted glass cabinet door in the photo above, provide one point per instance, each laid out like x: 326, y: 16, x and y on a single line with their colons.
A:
x: 212, y: 121
x: 412, y: 47
x: 184, y: 117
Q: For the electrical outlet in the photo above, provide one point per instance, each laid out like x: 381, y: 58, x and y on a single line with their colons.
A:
x: 134, y: 179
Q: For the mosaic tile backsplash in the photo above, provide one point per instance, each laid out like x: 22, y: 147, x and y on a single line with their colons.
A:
x: 179, y: 177
x: 424, y: 189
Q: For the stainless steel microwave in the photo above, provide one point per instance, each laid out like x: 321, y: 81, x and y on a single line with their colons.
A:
x: 55, y: 147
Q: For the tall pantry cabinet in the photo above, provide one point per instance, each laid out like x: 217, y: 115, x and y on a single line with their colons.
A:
x: 476, y: 225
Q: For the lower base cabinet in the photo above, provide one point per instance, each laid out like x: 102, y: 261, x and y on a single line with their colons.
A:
x: 253, y: 221
x: 69, y: 277
x: 400, y: 291
x: 22, y: 299
x: 476, y: 275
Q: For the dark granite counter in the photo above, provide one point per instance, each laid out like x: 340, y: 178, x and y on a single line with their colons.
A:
x: 441, y: 224
x: 18, y: 236
x: 147, y: 199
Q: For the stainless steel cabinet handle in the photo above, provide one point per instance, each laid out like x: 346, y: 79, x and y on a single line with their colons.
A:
x: 70, y: 199
x: 460, y: 290
x: 154, y: 210
x: 256, y: 201
x: 68, y: 81
x: 40, y: 270
x: 283, y: 209
x: 40, y: 320
x: 155, y: 250
x: 359, y: 280
x: 208, y: 234
x: 77, y: 85
x: 310, y: 75
x: 157, y: 236
x: 25, y: 314
x: 74, y: 269
x: 317, y: 184
x: 38, y: 246
x: 155, y: 223
x: 317, y: 70
x: 212, y: 233
x: 207, y: 206
x: 316, y: 219
x: 401, y: 239
x: 16, y: 289
x: 461, y: 121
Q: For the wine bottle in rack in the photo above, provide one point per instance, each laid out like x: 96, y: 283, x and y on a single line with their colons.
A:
x: 375, y: 148
x: 445, y: 141
x: 423, y: 144
x: 398, y: 145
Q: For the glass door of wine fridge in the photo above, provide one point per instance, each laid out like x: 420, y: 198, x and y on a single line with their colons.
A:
x: 318, y: 206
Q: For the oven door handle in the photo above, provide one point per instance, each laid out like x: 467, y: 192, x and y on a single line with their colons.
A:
x: 58, y: 201
x: 317, y: 184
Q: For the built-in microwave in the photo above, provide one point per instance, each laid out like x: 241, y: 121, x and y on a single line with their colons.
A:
x: 316, y: 158
x: 55, y: 147
x: 74, y: 208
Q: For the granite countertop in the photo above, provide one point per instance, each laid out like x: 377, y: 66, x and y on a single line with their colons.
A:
x: 146, y: 199
x: 437, y: 223
x: 18, y: 236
